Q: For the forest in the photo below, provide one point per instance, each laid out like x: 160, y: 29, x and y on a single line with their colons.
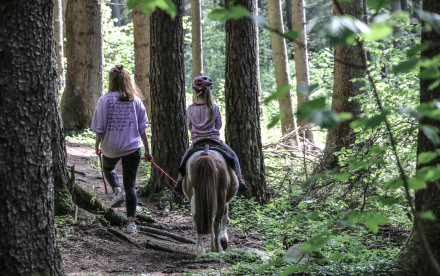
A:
x: 332, y: 108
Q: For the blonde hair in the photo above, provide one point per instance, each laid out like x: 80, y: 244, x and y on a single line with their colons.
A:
x: 119, y: 80
x: 206, y: 95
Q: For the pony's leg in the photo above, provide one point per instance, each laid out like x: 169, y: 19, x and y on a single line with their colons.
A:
x: 215, y: 241
x: 199, y: 244
x: 224, y: 228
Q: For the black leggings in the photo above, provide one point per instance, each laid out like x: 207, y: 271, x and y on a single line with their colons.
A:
x: 130, y: 164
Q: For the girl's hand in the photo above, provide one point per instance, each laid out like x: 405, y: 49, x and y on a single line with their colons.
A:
x: 98, y: 151
x: 148, y: 156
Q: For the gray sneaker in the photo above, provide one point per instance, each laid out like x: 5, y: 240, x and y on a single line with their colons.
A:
x: 118, y: 200
x: 132, y: 228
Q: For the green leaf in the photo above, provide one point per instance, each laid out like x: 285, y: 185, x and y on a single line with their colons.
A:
x: 428, y: 215
x: 325, y: 119
x: 432, y: 19
x: 351, y: 218
x: 431, y: 134
x: 378, y: 150
x: 426, y: 157
x: 274, y: 120
x: 312, y: 179
x: 149, y: 6
x: 393, y: 184
x: 372, y: 220
x: 278, y: 94
x: 417, y: 48
x: 376, y: 120
x: 405, y: 66
x: 231, y: 12
x: 428, y: 173
x: 344, y: 116
x: 313, y: 215
x: 316, y: 242
x: 305, y: 89
x: 341, y: 176
x: 359, y: 165
x: 378, y: 4
x: 378, y: 31
x: 343, y: 29
x: 291, y: 35
x: 434, y: 85
x: 429, y: 73
x: 388, y: 201
x: 416, y: 184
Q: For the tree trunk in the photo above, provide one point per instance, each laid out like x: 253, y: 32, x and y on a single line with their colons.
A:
x: 242, y: 89
x: 301, y: 61
x: 289, y: 24
x: 404, y: 5
x: 29, y: 86
x: 116, y: 13
x: 141, y: 26
x: 84, y: 80
x: 196, y: 43
x: 167, y: 78
x: 58, y: 34
x: 348, y: 65
x: 279, y: 52
x: 413, y: 258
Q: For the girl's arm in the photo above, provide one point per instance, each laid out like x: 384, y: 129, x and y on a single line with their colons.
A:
x: 147, y: 153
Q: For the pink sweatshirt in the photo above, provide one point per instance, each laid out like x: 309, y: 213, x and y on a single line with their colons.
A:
x: 198, y: 124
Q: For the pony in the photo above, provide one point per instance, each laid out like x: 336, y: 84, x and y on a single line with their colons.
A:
x: 209, y: 184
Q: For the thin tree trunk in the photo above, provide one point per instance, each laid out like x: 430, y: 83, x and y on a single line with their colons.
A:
x: 84, y: 79
x: 242, y: 88
x: 196, y: 43
x: 347, y: 67
x: 301, y: 61
x: 58, y: 34
x: 169, y: 132
x: 141, y: 25
x: 29, y: 86
x: 282, y: 78
x: 116, y: 13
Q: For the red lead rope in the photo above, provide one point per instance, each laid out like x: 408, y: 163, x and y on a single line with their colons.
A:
x: 160, y: 169
x: 102, y: 172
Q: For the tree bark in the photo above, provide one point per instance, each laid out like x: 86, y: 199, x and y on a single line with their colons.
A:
x: 279, y: 51
x: 301, y: 61
x: 116, y: 13
x: 242, y: 89
x: 196, y: 43
x: 84, y: 79
x: 28, y: 88
x: 58, y: 34
x: 413, y: 258
x: 141, y: 26
x: 167, y: 79
x: 348, y: 65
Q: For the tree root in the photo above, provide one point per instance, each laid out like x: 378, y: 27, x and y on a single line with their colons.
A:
x: 89, y: 202
x: 151, y: 245
x: 121, y: 236
x: 165, y: 233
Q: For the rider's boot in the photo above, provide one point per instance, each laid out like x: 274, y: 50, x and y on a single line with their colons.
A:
x: 242, y: 187
x: 178, y: 188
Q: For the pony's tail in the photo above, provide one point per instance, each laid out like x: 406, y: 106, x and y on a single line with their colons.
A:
x: 205, y: 193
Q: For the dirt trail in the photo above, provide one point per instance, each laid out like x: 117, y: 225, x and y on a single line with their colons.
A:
x: 90, y: 248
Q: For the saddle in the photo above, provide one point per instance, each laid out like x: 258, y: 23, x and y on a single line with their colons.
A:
x: 203, y: 146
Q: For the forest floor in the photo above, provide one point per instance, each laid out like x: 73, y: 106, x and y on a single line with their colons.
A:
x: 89, y: 247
